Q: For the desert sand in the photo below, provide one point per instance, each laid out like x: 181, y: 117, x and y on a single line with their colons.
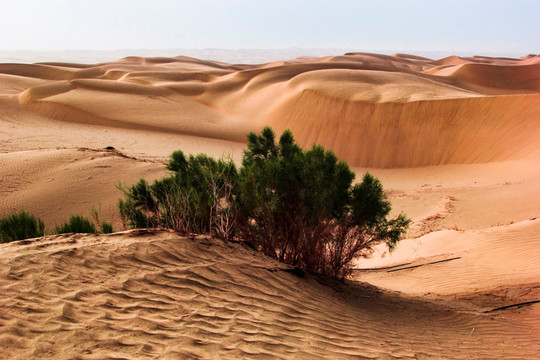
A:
x: 455, y: 142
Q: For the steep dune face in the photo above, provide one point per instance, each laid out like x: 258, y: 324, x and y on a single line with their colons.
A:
x: 373, y: 110
x: 419, y: 133
x: 161, y: 295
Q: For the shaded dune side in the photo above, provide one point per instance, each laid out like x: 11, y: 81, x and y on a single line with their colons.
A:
x: 419, y: 133
x: 50, y: 72
x: 130, y: 106
x: 137, y: 295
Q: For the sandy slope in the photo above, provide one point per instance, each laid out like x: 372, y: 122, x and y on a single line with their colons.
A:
x: 72, y: 181
x: 141, y: 296
x: 478, y: 260
x: 454, y: 141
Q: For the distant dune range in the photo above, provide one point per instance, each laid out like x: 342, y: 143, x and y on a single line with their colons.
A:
x: 372, y: 110
x: 455, y: 142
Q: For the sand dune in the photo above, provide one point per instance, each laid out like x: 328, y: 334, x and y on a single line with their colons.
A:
x: 14, y: 84
x: 398, y: 105
x: 464, y: 197
x: 54, y: 184
x: 159, y: 295
x: 420, y: 133
x: 488, y: 258
x: 454, y: 141
x: 496, y: 79
x: 451, y: 60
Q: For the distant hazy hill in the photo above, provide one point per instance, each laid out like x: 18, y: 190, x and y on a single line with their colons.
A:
x: 231, y: 56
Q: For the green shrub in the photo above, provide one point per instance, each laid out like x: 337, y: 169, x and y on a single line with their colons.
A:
x: 105, y: 227
x: 297, y: 206
x: 76, y: 224
x: 20, y: 226
x: 195, y: 198
x: 300, y: 206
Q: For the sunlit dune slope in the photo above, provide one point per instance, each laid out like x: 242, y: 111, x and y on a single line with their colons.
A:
x: 137, y: 295
x: 54, y: 184
x: 417, y: 133
x: 373, y: 110
x: 454, y: 262
x: 474, y: 234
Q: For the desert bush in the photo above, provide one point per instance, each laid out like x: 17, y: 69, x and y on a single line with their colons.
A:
x: 297, y: 206
x: 137, y: 207
x: 20, y: 226
x: 76, y: 224
x: 300, y: 206
x: 195, y: 198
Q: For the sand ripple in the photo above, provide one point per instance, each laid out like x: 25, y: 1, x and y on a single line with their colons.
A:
x: 137, y: 295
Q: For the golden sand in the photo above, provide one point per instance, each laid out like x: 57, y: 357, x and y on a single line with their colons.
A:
x: 454, y: 141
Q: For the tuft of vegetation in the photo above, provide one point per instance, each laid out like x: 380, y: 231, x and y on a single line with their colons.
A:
x: 76, y: 224
x: 20, y: 226
x: 195, y: 198
x: 106, y: 228
x: 297, y: 206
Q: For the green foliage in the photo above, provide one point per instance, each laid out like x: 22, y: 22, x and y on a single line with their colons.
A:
x: 76, y: 224
x: 297, y: 206
x: 195, y: 198
x: 139, y: 206
x: 20, y: 226
x: 106, y: 228
x: 300, y: 206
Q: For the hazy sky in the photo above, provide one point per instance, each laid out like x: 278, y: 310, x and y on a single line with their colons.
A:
x: 476, y: 26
